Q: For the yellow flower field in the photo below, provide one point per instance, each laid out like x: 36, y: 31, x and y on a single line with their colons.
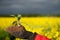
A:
x: 47, y: 26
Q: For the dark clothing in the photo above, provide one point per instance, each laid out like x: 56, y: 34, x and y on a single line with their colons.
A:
x: 32, y: 36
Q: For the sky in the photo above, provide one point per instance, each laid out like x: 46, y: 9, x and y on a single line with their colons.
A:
x: 29, y: 6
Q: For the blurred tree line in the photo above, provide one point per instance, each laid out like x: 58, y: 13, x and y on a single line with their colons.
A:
x: 32, y: 15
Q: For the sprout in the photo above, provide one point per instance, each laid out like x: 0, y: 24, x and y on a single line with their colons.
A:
x: 18, y: 17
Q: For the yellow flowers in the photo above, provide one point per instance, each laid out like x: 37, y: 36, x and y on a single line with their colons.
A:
x: 43, y: 25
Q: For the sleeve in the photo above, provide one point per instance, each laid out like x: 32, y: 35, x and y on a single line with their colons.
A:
x: 41, y: 37
x: 36, y: 36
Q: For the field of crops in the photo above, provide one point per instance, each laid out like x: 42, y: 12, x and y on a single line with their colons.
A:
x: 48, y: 26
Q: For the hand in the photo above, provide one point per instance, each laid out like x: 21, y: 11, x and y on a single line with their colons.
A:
x: 16, y: 31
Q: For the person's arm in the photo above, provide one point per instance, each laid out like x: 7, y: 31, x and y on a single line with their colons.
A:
x: 21, y: 32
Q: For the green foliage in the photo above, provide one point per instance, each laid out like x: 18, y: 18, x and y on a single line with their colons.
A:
x: 3, y: 34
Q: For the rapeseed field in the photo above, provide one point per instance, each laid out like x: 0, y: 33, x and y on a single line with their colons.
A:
x: 48, y: 26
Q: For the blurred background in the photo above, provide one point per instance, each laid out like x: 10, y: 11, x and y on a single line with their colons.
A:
x: 43, y: 15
